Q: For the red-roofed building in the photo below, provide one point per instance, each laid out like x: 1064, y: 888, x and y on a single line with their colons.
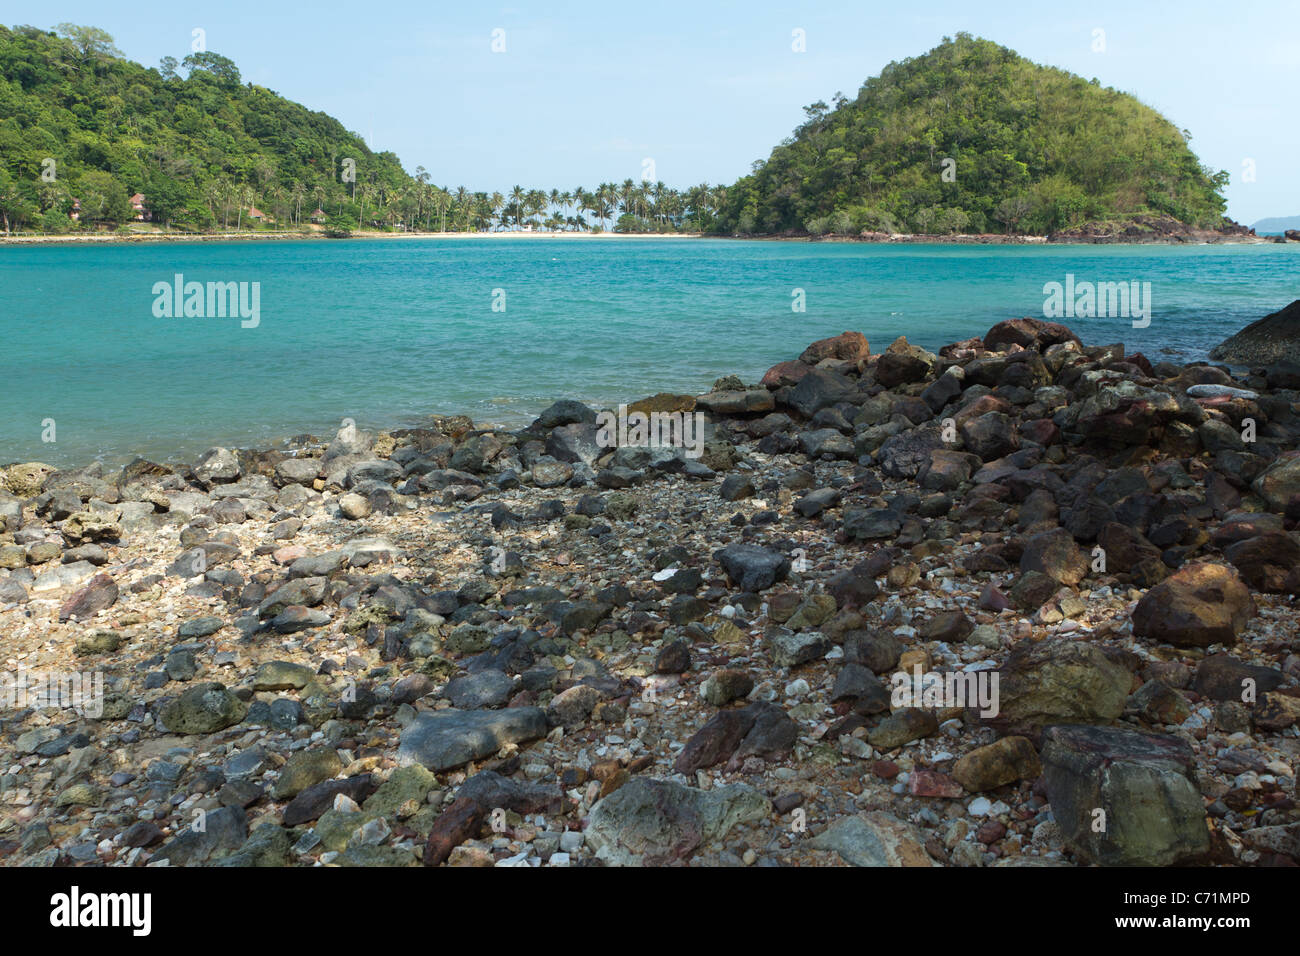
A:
x: 142, y: 214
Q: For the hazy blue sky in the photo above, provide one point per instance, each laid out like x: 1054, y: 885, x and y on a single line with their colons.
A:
x: 586, y: 91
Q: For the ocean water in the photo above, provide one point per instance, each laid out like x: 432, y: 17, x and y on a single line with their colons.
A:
x: 389, y: 332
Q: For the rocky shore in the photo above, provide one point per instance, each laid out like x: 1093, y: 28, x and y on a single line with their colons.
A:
x: 458, y: 646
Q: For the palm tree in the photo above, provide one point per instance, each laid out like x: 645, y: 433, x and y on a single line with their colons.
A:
x: 517, y: 202
x: 498, y: 202
x: 462, y: 203
x: 442, y: 200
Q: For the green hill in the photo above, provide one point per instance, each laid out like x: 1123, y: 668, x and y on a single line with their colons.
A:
x: 202, y: 148
x: 972, y: 137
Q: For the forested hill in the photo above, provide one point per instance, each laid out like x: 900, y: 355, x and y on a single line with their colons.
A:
x: 202, y: 146
x: 971, y: 137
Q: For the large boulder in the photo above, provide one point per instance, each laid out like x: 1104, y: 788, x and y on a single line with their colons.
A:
x: 1273, y: 339
x: 1028, y: 334
x: 653, y: 822
x: 1199, y: 605
x: 1059, y: 681
x: 1280, y: 483
x: 847, y: 347
x: 1125, y: 798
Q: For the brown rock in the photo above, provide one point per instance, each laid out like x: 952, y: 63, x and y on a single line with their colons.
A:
x: 1199, y: 605
x: 456, y: 824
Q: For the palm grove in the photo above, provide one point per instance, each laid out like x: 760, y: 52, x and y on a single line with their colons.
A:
x: 83, y: 130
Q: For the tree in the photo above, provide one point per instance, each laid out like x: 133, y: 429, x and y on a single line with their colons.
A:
x: 91, y: 43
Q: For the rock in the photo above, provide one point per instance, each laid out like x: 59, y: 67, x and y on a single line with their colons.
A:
x: 99, y: 594
x: 877, y: 651
x: 1224, y: 677
x: 1144, y: 784
x: 674, y: 658
x: 305, y: 769
x: 650, y: 822
x: 874, y: 839
x: 282, y: 675
x: 951, y: 627
x: 217, y: 466
x: 1268, y: 341
x: 990, y: 436
x: 1055, y: 554
x: 572, y: 707
x: 224, y: 831
x: 1265, y: 561
x: 1027, y: 333
x: 790, y: 650
x: 354, y: 506
x: 752, y: 567
x: 997, y: 764
x: 268, y: 846
x: 440, y: 740
x: 819, y: 389
x: 845, y: 347
x: 932, y: 783
x: 759, y: 730
x: 315, y: 799
x: 902, y: 727
x: 737, y: 401
x: 484, y: 689
x: 1279, y: 484
x: 454, y: 825
x: 902, y: 363
x: 203, y: 709
x: 725, y: 685
x: 1199, y: 605
x: 1059, y: 681
x: 868, y: 525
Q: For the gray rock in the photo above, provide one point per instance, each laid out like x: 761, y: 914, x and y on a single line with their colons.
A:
x: 1124, y: 798
x: 653, y: 822
x: 440, y: 740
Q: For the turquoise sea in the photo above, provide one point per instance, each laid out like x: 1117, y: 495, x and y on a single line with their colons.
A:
x: 387, y: 332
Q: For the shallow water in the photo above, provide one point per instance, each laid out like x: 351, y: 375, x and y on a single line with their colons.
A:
x: 386, y: 333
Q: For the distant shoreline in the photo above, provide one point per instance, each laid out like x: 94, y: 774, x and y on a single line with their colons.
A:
x: 991, y: 239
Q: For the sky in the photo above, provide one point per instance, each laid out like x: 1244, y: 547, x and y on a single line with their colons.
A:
x: 577, y: 93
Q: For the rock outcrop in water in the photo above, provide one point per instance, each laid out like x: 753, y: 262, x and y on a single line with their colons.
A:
x: 1273, y: 340
x: 906, y: 608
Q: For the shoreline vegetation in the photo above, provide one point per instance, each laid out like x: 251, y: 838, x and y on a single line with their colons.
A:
x: 913, y: 594
x: 967, y: 143
x: 1197, y: 236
